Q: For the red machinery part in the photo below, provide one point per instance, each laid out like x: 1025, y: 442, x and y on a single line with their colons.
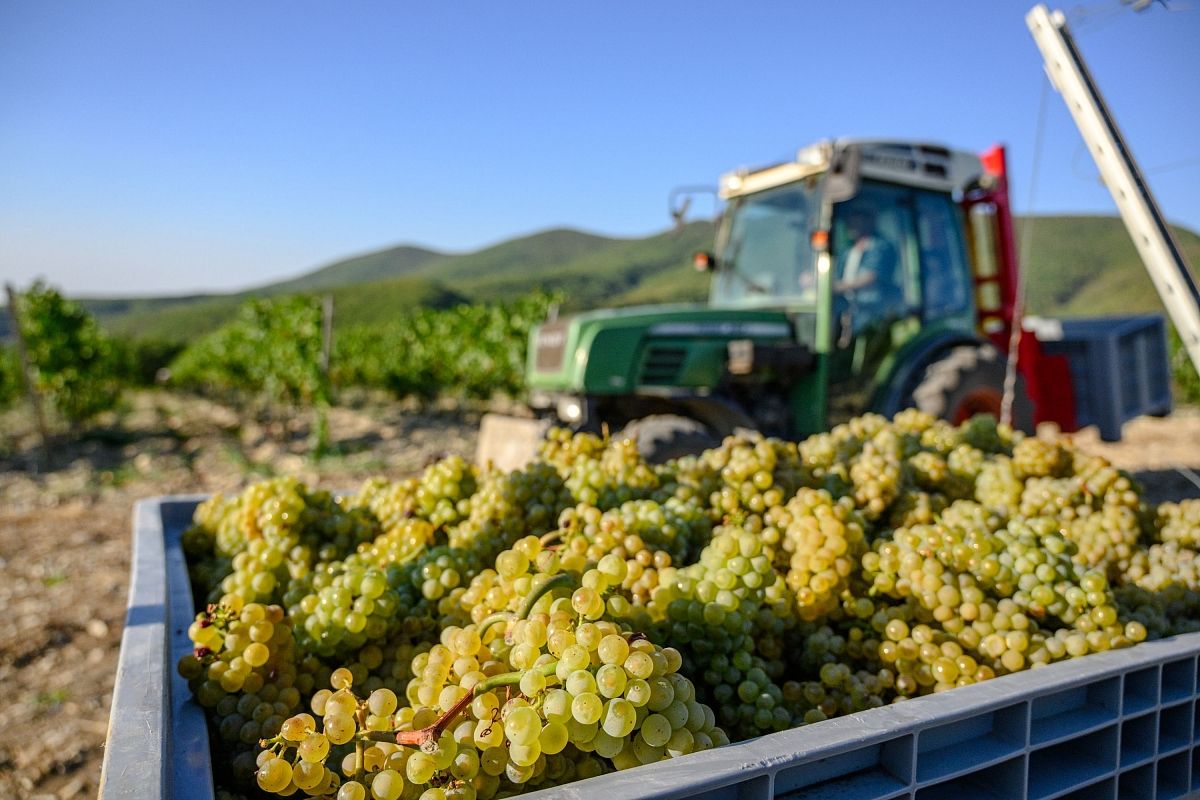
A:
x: 1047, y: 378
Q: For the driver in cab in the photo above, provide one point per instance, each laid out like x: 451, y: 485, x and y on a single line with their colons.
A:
x: 868, y: 267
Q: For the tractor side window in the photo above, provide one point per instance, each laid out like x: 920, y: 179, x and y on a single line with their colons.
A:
x: 943, y: 256
x: 875, y: 248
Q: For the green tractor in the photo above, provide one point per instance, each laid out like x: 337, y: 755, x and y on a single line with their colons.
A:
x: 861, y: 276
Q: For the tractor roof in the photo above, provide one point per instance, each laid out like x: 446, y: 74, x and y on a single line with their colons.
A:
x: 912, y: 163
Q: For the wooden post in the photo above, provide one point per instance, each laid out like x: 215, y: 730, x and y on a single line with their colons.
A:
x: 321, y: 404
x: 326, y: 333
x: 35, y: 399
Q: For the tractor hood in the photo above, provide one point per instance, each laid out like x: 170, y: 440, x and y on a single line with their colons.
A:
x: 660, y: 349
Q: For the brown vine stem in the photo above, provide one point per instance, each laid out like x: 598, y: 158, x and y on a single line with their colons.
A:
x: 431, y: 733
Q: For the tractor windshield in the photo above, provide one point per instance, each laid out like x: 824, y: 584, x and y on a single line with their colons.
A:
x: 764, y: 252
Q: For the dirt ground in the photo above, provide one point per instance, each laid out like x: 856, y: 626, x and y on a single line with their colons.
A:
x: 65, y: 540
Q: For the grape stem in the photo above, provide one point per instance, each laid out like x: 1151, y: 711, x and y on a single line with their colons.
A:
x: 432, y: 733
x: 547, y: 585
x: 360, y: 748
x: 494, y: 619
x: 554, y: 582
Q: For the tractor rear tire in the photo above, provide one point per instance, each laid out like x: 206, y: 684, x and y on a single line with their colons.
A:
x: 662, y: 437
x: 969, y: 380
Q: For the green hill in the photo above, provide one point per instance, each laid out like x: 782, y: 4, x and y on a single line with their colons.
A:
x: 603, y: 275
x: 361, y: 304
x: 590, y: 269
x: 390, y: 263
x: 1088, y: 266
x: 1079, y: 266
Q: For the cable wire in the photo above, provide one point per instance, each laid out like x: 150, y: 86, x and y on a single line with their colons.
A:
x: 1014, y: 337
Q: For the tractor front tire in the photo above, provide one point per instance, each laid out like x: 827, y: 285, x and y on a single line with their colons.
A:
x: 662, y: 437
x: 969, y: 380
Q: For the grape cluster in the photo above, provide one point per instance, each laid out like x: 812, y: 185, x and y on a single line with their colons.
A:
x: 443, y: 495
x: 348, y: 605
x: 244, y: 669
x: 755, y: 474
x: 508, y: 506
x: 727, y: 612
x: 600, y: 471
x: 589, y: 694
x: 254, y: 544
x: 1180, y: 523
x: 823, y: 541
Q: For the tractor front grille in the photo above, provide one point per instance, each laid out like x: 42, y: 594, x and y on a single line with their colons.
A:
x: 661, y: 365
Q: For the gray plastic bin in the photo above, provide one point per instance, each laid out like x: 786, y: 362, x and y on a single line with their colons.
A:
x: 157, y: 738
x: 1119, y: 724
x: 1119, y: 367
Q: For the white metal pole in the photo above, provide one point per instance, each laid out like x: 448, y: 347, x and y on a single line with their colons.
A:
x: 1151, y: 235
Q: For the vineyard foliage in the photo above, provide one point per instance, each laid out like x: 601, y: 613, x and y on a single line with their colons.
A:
x: 272, y: 352
x: 472, y: 351
x: 73, y: 361
x: 271, y: 355
x: 10, y: 377
x: 1183, y: 371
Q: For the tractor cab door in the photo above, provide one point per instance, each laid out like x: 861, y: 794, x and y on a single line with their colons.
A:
x: 945, y: 270
x: 876, y: 290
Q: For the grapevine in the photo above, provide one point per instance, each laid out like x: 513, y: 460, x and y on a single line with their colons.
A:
x: 72, y: 359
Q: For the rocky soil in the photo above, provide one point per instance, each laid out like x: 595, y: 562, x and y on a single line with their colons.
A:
x: 65, y: 539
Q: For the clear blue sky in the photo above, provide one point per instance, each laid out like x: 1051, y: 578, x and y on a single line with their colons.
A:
x: 158, y: 146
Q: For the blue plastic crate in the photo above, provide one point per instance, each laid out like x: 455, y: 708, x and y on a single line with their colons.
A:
x: 1120, y: 724
x: 1119, y: 367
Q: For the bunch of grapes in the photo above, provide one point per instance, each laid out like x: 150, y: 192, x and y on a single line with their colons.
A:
x: 348, y: 605
x: 253, y: 545
x: 443, y: 494
x: 245, y: 670
x: 756, y: 473
x: 876, y: 473
x: 727, y: 612
x: 508, y: 506
x: 1180, y: 522
x: 823, y: 541
x: 600, y: 471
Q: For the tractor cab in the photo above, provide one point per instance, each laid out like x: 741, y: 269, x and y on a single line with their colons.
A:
x: 864, y: 243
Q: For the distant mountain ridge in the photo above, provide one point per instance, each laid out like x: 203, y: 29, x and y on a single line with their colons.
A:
x: 590, y: 268
x: 378, y: 265
x: 1079, y: 266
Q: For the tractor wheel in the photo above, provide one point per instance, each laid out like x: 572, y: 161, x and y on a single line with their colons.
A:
x: 662, y: 437
x: 969, y: 380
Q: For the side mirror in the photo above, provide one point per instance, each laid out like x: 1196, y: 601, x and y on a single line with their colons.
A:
x: 704, y: 261
x: 679, y: 202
